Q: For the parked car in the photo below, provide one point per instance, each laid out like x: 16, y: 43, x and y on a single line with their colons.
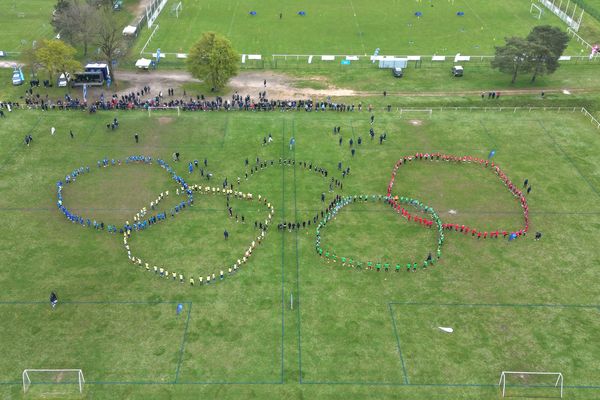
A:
x: 397, y: 72
x: 63, y: 80
x: 457, y: 70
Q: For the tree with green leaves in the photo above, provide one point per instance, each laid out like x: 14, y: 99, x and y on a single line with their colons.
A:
x: 514, y: 57
x: 547, y: 45
x: 56, y: 57
x: 213, y: 60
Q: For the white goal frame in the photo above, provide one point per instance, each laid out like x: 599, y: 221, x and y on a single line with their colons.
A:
x: 157, y: 108
x: 428, y: 111
x: 559, y: 379
x: 27, y: 381
x: 177, y: 9
x: 538, y: 8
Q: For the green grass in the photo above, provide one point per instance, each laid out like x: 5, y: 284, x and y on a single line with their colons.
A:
x: 242, y: 339
x: 351, y: 27
x: 35, y: 14
x: 24, y: 22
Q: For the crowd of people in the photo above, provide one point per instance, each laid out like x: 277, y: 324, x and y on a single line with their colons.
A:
x: 486, y: 163
x: 163, y: 272
x: 143, y: 99
x: 397, y: 204
x: 140, y: 222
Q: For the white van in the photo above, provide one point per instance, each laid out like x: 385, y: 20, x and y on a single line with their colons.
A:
x: 63, y: 80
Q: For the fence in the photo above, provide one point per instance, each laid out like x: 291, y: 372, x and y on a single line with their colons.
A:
x: 580, y: 40
x: 300, y: 61
x: 563, y: 15
x: 591, y: 117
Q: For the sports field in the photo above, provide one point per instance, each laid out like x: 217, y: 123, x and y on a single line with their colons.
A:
x: 348, y: 27
x: 289, y: 324
x: 35, y: 14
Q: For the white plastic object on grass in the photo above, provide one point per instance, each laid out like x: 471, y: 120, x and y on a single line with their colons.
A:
x: 445, y: 329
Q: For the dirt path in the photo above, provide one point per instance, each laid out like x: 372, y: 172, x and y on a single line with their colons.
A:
x: 282, y: 86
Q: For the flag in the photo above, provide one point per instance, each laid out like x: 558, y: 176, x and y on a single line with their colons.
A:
x: 84, y: 92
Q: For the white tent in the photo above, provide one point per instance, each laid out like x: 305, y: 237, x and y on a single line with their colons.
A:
x: 129, y: 30
x: 143, y: 63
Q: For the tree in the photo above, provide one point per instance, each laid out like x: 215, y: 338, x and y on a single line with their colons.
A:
x: 213, y: 59
x: 29, y: 58
x: 110, y: 38
x: 513, y: 57
x: 76, y: 22
x: 547, y: 45
x: 55, y: 56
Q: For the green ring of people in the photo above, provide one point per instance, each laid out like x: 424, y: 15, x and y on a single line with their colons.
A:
x: 378, y: 265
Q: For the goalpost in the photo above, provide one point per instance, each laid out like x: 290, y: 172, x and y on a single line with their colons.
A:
x: 535, y: 8
x: 404, y: 111
x: 157, y: 108
x: 176, y: 9
x: 52, y: 377
x: 532, y: 381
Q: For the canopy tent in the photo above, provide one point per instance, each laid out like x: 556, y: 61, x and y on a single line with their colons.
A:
x: 129, y: 30
x: 143, y: 63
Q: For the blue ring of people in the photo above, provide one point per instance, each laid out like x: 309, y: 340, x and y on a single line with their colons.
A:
x: 140, y: 222
x: 357, y: 261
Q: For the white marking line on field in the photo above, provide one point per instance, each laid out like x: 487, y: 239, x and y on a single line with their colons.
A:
x: 232, y: 18
x: 362, y: 43
x: 476, y: 15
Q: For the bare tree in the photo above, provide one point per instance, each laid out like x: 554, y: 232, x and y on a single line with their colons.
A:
x: 77, y: 22
x: 109, y: 38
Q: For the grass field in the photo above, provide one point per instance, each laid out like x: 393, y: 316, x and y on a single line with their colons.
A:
x: 349, y: 27
x: 16, y: 14
x: 350, y: 333
x: 36, y: 15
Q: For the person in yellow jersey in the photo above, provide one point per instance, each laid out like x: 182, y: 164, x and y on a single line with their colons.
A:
x: 192, y: 281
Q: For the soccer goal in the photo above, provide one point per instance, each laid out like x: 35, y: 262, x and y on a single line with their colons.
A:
x: 165, y: 108
x: 536, y: 11
x: 415, y: 112
x: 531, y: 384
x: 52, y: 377
x: 176, y: 9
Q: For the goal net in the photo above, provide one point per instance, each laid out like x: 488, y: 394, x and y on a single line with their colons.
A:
x: 56, y: 381
x: 176, y: 9
x: 531, y: 384
x: 536, y: 11
x: 154, y: 109
x: 415, y: 113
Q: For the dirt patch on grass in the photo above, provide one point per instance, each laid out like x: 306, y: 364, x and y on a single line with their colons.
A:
x: 282, y: 86
x: 165, y: 120
x: 415, y: 122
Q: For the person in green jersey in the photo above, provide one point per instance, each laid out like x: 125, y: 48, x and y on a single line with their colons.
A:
x: 378, y: 266
x: 386, y: 266
x: 397, y: 267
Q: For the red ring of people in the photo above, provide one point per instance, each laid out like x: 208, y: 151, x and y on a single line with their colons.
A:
x: 490, y: 165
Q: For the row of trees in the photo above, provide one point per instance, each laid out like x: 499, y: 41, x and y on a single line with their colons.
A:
x: 538, y: 53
